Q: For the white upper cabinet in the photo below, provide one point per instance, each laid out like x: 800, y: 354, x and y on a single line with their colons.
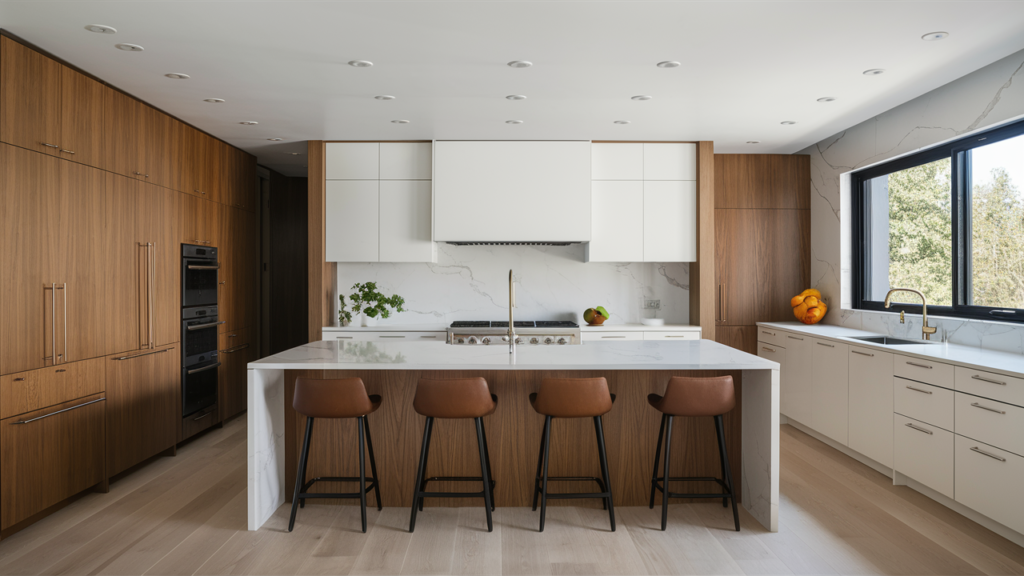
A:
x: 670, y: 161
x: 521, y: 191
x: 670, y: 216
x: 617, y: 162
x: 353, y: 161
x: 405, y: 234
x: 406, y: 160
x: 351, y: 221
x: 618, y: 222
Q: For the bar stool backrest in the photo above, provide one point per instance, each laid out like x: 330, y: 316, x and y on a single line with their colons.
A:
x: 686, y: 396
x: 336, y: 398
x: 573, y: 397
x: 453, y: 398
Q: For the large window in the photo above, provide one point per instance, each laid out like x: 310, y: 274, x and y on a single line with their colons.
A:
x: 948, y: 222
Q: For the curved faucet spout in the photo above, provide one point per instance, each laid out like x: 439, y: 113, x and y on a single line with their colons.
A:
x: 926, y: 330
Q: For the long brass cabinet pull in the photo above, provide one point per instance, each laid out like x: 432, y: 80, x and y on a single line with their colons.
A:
x: 65, y: 355
x: 203, y: 369
x: 919, y: 429
x: 721, y: 303
x: 862, y: 353
x: 976, y: 405
x: 982, y: 452
x: 58, y: 412
x: 997, y: 382
x: 919, y: 365
x: 918, y: 390
x: 53, y: 323
x: 145, y: 354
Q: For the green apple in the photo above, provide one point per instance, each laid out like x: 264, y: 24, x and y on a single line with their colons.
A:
x: 603, y: 312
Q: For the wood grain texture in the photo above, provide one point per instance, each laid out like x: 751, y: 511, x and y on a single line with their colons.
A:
x: 763, y: 181
x: 322, y: 274
x: 237, y: 349
x: 739, y: 337
x: 513, y: 432
x: 702, y: 272
x: 38, y: 389
x: 737, y: 238
x: 82, y: 123
x: 157, y: 223
x: 119, y: 135
x: 30, y: 98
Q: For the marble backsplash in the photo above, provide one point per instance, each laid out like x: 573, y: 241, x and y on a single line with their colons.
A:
x: 989, y: 96
x: 552, y: 283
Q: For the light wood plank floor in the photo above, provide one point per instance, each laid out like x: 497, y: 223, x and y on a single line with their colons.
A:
x: 187, y: 515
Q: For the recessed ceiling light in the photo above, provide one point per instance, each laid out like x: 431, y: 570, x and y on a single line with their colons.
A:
x: 931, y: 36
x: 873, y: 72
x: 753, y: 141
x: 787, y: 122
x: 275, y: 139
x: 622, y: 121
x: 360, y: 63
x: 129, y: 47
x: 515, y: 97
x: 249, y: 123
x: 214, y: 100
x: 385, y: 97
x: 399, y: 121
x: 520, y: 64
x: 642, y: 97
x: 513, y: 121
x: 827, y: 99
x: 101, y: 29
x: 178, y: 76
x: 668, y: 64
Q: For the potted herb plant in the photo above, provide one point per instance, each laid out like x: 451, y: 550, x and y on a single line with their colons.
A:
x: 368, y: 304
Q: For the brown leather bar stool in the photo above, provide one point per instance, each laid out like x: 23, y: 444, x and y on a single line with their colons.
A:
x: 341, y: 398
x: 694, y: 397
x: 454, y: 398
x: 572, y: 398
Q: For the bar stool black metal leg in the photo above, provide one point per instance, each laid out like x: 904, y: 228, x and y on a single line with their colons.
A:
x: 657, y: 459
x: 362, y: 473
x: 664, y: 481
x: 426, y: 458
x: 417, y: 487
x: 600, y: 483
x: 544, y: 483
x: 490, y: 484
x: 300, y: 476
x: 373, y: 464
x: 721, y: 459
x: 484, y: 472
x: 720, y: 429
x: 604, y: 469
x: 540, y: 463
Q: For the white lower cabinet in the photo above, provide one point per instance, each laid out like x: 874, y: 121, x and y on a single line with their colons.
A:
x: 991, y: 422
x: 923, y: 402
x: 923, y: 452
x: 830, y: 390
x: 989, y: 480
x: 871, y: 398
x: 681, y: 335
x: 795, y: 394
x: 610, y: 336
x: 388, y: 336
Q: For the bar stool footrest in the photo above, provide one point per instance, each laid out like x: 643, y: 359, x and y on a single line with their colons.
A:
x: 371, y: 483
x: 659, y: 485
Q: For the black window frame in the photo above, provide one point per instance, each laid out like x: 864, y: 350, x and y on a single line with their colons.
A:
x: 959, y: 154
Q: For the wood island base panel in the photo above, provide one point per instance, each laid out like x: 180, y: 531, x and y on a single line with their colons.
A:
x: 514, y: 430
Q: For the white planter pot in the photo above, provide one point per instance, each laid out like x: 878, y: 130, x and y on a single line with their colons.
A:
x: 368, y: 321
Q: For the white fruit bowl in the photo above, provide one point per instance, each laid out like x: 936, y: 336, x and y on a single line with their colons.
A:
x: 652, y: 321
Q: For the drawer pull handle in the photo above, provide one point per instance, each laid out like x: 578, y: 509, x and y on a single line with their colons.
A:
x: 204, y: 266
x: 49, y: 145
x: 918, y: 390
x: 824, y: 344
x: 677, y: 336
x: 235, y: 349
x: 428, y: 336
x: 976, y: 405
x: 976, y: 377
x: 919, y: 429
x: 992, y: 456
x: 203, y: 369
x: 920, y: 365
x: 61, y: 370
x: 203, y: 416
x: 19, y: 379
x: 204, y: 326
x: 612, y: 336
x: 382, y: 336
x: 767, y: 332
x: 794, y: 338
x: 68, y: 151
x: 144, y: 354
x: 343, y: 337
x: 862, y: 353
x: 58, y: 412
x: 767, y: 349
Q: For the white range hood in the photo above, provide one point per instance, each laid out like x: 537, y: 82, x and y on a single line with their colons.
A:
x: 518, y: 192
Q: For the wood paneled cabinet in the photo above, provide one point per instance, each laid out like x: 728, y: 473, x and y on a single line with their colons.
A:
x: 143, y: 405
x: 236, y: 351
x: 30, y: 98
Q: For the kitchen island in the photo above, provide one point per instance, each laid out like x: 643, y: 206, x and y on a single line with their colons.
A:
x: 633, y: 369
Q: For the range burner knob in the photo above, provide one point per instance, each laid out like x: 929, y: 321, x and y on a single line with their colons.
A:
x: 504, y: 338
x: 519, y: 339
x: 549, y: 340
x: 534, y: 340
x: 460, y: 341
x: 472, y: 340
x: 563, y: 341
x: 485, y: 341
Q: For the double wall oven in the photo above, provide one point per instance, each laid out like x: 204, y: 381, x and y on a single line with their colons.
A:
x: 199, y: 322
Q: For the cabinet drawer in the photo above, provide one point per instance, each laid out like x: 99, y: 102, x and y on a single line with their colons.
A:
x: 988, y: 480
x: 49, y: 455
x: 923, y: 402
x: 36, y: 389
x: 924, y: 453
x: 682, y: 335
x: 611, y: 336
x: 935, y: 373
x: 196, y: 423
x: 996, y: 386
x: 387, y: 336
x: 771, y: 336
x: 990, y: 422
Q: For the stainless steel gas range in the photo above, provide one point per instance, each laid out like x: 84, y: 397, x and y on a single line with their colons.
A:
x: 539, y: 333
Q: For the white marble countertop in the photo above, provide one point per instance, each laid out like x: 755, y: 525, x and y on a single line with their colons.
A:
x: 389, y: 328
x: 980, y: 359
x: 631, y: 355
x: 638, y: 328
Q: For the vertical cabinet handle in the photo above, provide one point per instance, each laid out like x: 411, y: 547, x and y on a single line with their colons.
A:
x: 65, y: 356
x: 721, y: 304
x: 53, y: 323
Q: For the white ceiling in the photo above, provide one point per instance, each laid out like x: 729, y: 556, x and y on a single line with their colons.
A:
x: 746, y: 66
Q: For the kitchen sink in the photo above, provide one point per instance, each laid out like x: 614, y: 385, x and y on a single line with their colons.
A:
x: 889, y: 341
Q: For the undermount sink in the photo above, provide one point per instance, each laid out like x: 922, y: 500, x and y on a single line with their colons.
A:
x: 889, y: 341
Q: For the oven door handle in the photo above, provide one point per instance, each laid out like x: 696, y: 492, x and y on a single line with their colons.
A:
x: 202, y: 326
x: 204, y: 267
x: 203, y: 369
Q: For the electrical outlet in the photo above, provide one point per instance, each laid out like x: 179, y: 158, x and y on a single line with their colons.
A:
x: 652, y: 304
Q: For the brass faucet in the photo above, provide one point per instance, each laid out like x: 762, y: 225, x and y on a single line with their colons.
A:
x: 511, y: 304
x: 926, y: 330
